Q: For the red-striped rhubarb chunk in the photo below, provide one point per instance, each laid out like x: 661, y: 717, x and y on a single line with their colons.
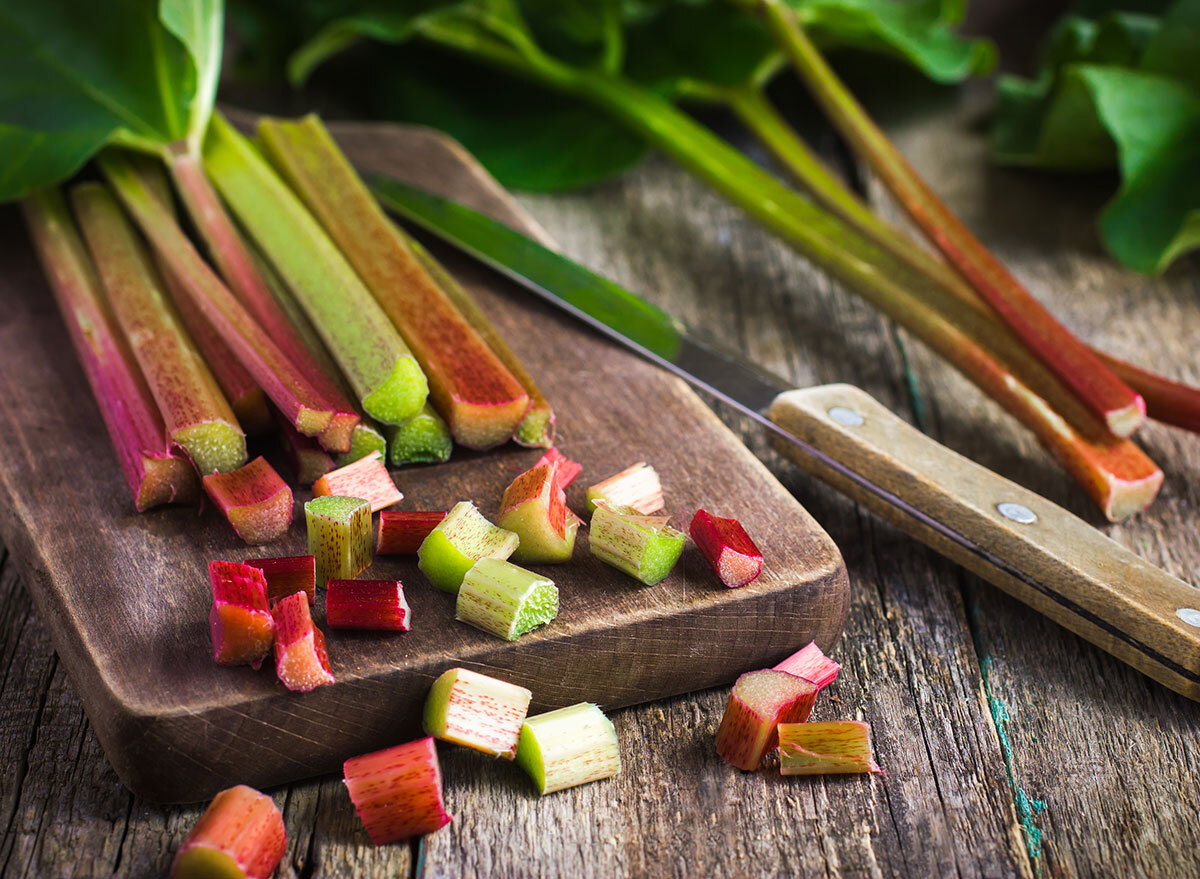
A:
x: 288, y: 575
x: 468, y: 384
x: 241, y: 624
x: 471, y: 709
x: 811, y: 664
x: 239, y: 836
x: 826, y: 748
x: 397, y: 792
x: 301, y: 661
x: 401, y: 532
x: 155, y: 472
x: 367, y: 604
x: 727, y: 548
x: 253, y: 499
x: 568, y: 470
x: 760, y: 701
x: 534, y: 508
x: 366, y: 478
x: 637, y: 487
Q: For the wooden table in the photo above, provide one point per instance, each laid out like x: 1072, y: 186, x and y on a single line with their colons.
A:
x: 1010, y: 746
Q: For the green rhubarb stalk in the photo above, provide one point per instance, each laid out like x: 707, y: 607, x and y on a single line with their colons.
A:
x: 1068, y: 358
x: 290, y: 391
x: 385, y: 376
x: 194, y: 411
x: 505, y: 600
x: 156, y: 474
x: 644, y: 547
x: 422, y: 439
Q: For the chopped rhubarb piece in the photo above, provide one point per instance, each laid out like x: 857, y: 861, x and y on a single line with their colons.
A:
x: 568, y: 470
x: 362, y: 339
x: 568, y: 747
x: 253, y: 499
x: 422, y: 439
x: 397, y: 792
x: 760, y: 701
x: 458, y: 542
x: 811, y: 664
x: 308, y: 460
x: 826, y: 748
x: 288, y: 575
x: 196, y: 414
x: 367, y: 604
x: 239, y: 836
x: 301, y: 661
x: 644, y: 547
x: 339, y: 535
x: 480, y: 399
x: 477, y: 711
x: 402, y: 532
x: 727, y: 547
x: 156, y: 473
x: 507, y: 601
x: 241, y: 624
x: 366, y: 478
x: 637, y: 487
x: 534, y: 508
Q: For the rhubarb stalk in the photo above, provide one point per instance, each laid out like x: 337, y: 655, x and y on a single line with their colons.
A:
x: 309, y: 462
x: 366, y: 478
x: 156, y: 474
x: 727, y: 547
x: 401, y: 532
x: 339, y: 535
x: 301, y: 661
x: 467, y: 708
x: 505, y: 600
x: 637, y: 487
x: 826, y: 748
x: 288, y: 575
x: 383, y: 372
x: 239, y: 836
x: 367, y: 604
x: 423, y: 439
x: 480, y: 399
x: 240, y: 620
x: 194, y: 410
x: 568, y: 747
x: 253, y: 499
x: 760, y: 701
x: 397, y: 792
x: 534, y: 508
x: 1122, y: 410
x: 811, y: 664
x: 458, y: 542
x: 644, y: 547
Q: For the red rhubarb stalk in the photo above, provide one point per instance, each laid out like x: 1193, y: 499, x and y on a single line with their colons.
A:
x: 240, y: 835
x: 288, y: 575
x: 194, y: 410
x: 240, y: 621
x: 568, y: 470
x: 308, y: 460
x: 727, y: 547
x: 156, y: 474
x: 253, y: 499
x: 397, y: 792
x: 366, y: 478
x: 401, y: 532
x: 288, y: 389
x: 301, y: 661
x: 1122, y: 410
x: 367, y: 604
x: 760, y: 701
x: 811, y: 664
x: 479, y: 398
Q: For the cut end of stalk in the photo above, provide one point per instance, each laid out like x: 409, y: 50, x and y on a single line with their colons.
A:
x: 568, y: 747
x: 366, y: 478
x: 760, y: 701
x: 397, y: 792
x: 811, y: 664
x: 240, y: 622
x: 485, y: 425
x: 644, y: 547
x: 240, y: 836
x: 401, y: 395
x: 301, y: 661
x: 1125, y: 422
x: 537, y: 427
x: 825, y: 748
x: 213, y: 446
x: 337, y: 435
x: 364, y: 439
x: 727, y: 548
x: 367, y: 604
x: 505, y: 600
x: 288, y: 575
x: 422, y: 439
x: 339, y: 536
x: 166, y: 480
x: 401, y: 532
x: 458, y: 542
x: 1127, y: 497
x: 637, y: 487
x: 253, y: 499
x: 470, y: 709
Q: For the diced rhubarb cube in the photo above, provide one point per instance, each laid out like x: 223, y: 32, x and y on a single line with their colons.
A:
x: 568, y: 747
x: 366, y: 478
x: 828, y: 748
x: 240, y: 622
x: 477, y: 711
x: 288, y: 575
x: 535, y: 509
x: 506, y: 600
x: 568, y: 470
x: 760, y: 701
x: 300, y: 658
x: 401, y: 532
x: 397, y: 792
x: 727, y: 548
x: 339, y: 535
x: 240, y: 836
x: 458, y: 542
x: 644, y: 547
x: 253, y: 499
x: 637, y: 487
x: 366, y: 604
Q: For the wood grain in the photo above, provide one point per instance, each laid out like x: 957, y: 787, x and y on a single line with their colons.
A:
x: 126, y: 596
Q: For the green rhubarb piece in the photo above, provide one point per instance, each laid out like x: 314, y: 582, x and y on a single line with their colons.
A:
x: 644, y: 547
x: 568, y: 747
x: 458, y: 542
x: 364, y: 439
x: 508, y: 601
x: 535, y: 509
x: 471, y: 709
x: 366, y: 345
x: 422, y: 439
x: 339, y: 535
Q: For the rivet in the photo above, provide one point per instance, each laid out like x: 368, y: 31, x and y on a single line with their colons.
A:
x: 1019, y: 513
x: 1189, y: 615
x: 845, y: 417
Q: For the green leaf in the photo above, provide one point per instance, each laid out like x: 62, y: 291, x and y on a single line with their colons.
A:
x: 199, y: 25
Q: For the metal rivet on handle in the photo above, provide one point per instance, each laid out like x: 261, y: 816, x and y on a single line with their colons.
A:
x: 845, y: 417
x: 1019, y: 513
x: 1189, y: 615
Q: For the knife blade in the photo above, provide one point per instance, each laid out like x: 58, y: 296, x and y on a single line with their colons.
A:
x: 1010, y: 536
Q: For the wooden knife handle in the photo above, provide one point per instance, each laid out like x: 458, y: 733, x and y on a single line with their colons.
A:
x: 1032, y: 548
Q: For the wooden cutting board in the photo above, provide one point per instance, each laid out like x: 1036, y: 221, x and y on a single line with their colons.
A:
x: 126, y: 596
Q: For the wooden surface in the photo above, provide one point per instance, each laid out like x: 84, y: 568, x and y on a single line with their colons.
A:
x: 126, y: 596
x: 1011, y: 747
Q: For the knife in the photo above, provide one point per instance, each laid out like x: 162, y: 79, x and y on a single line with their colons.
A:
x: 1028, y: 546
